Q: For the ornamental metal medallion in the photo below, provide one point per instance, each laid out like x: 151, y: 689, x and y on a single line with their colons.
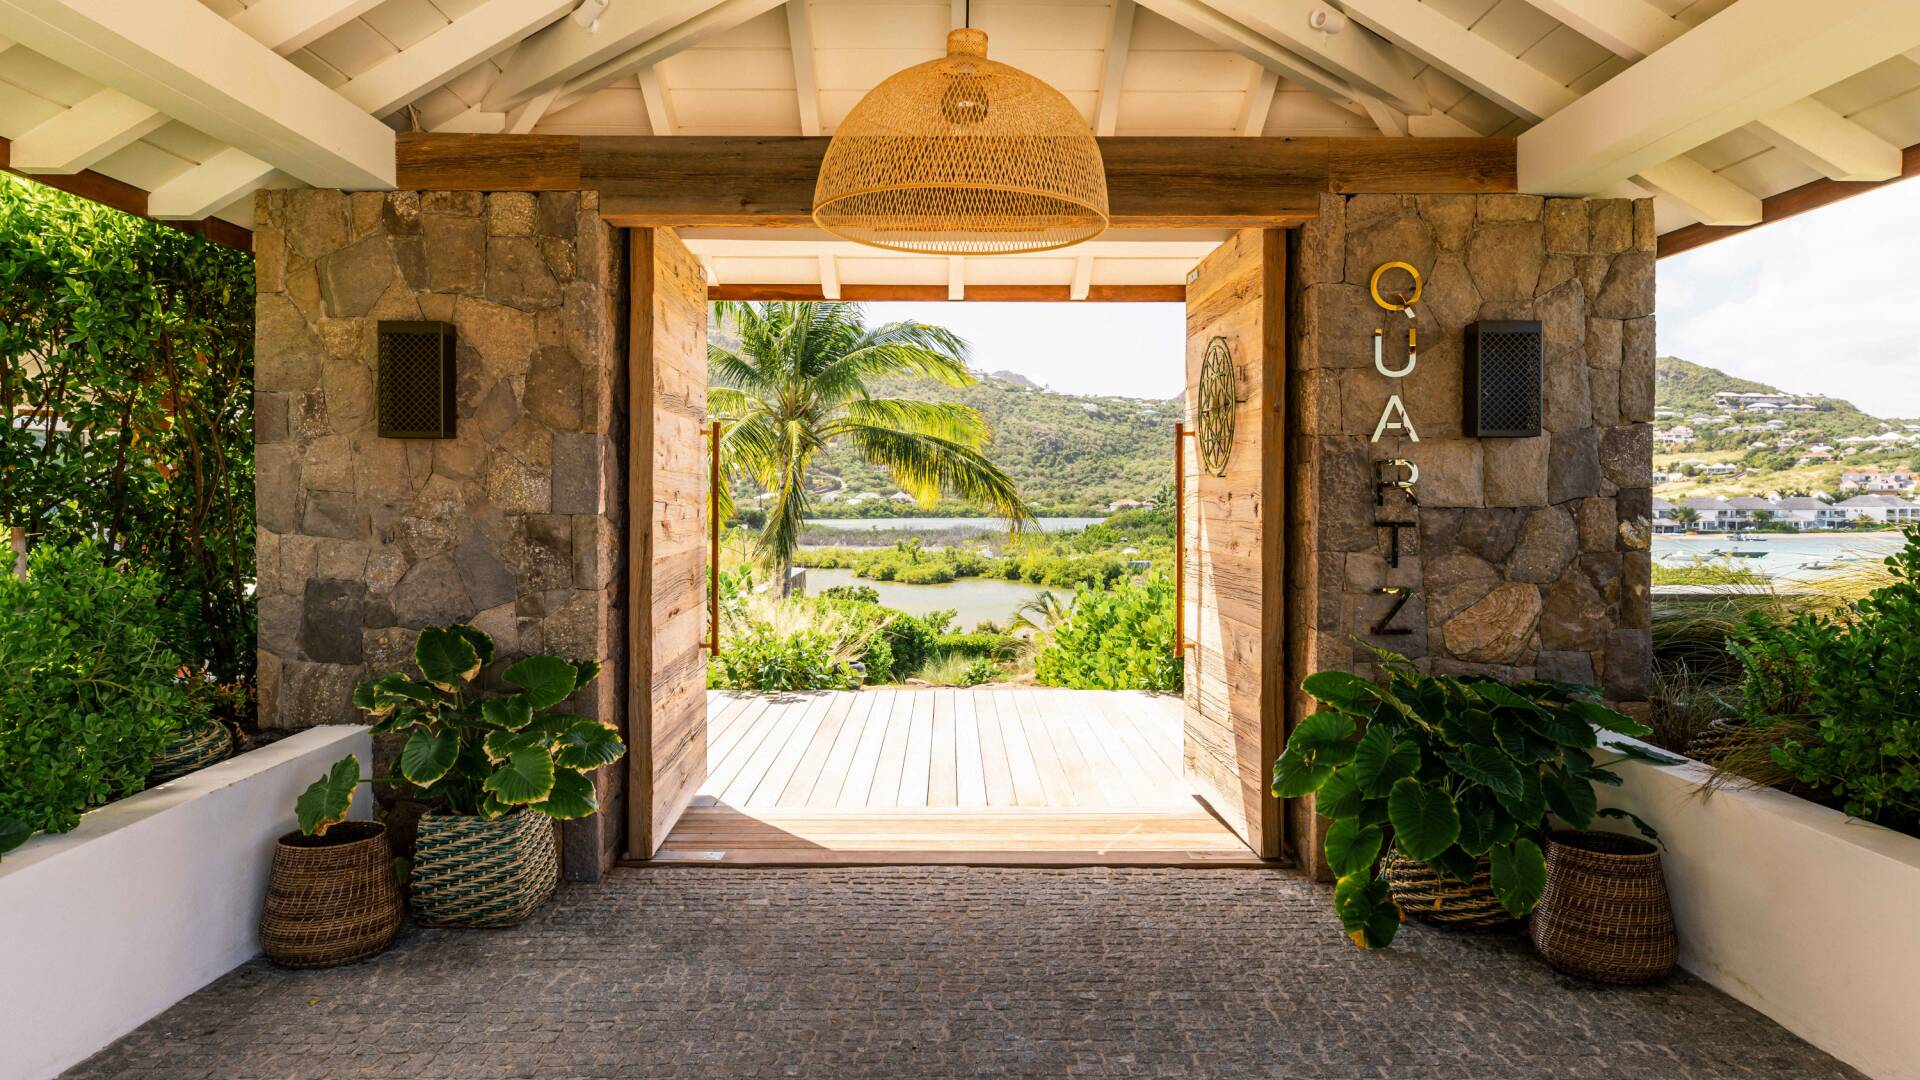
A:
x: 1219, y: 395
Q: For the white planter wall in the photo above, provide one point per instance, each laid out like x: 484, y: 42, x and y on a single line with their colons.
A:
x: 148, y: 900
x: 1790, y: 907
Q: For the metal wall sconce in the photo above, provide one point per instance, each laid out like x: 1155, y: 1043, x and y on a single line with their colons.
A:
x: 416, y: 379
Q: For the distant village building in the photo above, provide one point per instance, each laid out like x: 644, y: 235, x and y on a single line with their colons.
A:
x: 1801, y: 512
x: 1674, y: 435
x: 1877, y: 480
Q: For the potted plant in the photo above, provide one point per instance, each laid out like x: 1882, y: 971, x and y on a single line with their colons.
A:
x: 1453, y: 777
x: 331, y: 896
x: 494, y: 770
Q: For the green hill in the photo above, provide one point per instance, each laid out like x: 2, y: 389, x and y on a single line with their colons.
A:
x: 1685, y: 386
x: 1687, y: 390
x: 1066, y: 451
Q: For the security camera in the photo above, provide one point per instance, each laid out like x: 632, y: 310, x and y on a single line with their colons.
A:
x: 1326, y: 20
x: 588, y: 14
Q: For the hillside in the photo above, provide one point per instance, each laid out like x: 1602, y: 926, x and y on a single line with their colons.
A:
x: 1790, y: 443
x: 1066, y: 451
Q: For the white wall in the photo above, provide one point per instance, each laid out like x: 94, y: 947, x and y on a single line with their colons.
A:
x: 151, y: 898
x: 1790, y: 907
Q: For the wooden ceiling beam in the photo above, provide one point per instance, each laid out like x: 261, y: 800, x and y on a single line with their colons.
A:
x: 1151, y: 182
x: 1787, y: 204
x: 124, y: 197
x: 181, y: 59
x: 1750, y: 60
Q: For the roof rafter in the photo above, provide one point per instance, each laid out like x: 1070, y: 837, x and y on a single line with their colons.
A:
x: 631, y: 36
x: 208, y: 186
x: 287, y: 26
x: 653, y: 93
x: 102, y: 123
x: 1360, y: 57
x: 1106, y: 113
x: 1475, y: 61
x: 1819, y: 136
x: 1750, y: 60
x: 806, y: 77
x: 1713, y: 198
x: 1253, y: 118
x: 182, y: 59
x: 1198, y: 18
x: 449, y: 51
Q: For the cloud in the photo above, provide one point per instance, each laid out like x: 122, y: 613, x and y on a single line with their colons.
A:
x: 1817, y: 304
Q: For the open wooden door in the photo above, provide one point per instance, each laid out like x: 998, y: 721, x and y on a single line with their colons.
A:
x: 1233, y: 525
x: 667, y: 523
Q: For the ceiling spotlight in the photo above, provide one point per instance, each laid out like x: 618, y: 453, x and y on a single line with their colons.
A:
x: 588, y: 14
x: 1326, y: 20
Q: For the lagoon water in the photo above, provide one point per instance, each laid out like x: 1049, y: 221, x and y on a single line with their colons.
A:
x: 930, y: 524
x: 973, y: 599
x: 1788, y: 556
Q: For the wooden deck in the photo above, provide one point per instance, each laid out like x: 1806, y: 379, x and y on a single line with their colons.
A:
x: 999, y: 776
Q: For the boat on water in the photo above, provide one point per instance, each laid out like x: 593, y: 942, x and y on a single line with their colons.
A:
x: 1725, y: 554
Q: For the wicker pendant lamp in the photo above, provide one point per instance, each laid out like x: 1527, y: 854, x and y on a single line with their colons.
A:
x: 963, y: 156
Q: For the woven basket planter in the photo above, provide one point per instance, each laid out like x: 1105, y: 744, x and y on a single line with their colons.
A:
x: 1604, y: 915
x: 471, y: 872
x: 331, y: 900
x: 196, y: 748
x: 1435, y: 896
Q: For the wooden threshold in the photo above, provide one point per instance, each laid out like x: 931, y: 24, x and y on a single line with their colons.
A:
x: 731, y: 836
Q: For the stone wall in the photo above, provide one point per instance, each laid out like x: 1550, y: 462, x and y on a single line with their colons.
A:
x: 513, y: 526
x: 1530, y: 556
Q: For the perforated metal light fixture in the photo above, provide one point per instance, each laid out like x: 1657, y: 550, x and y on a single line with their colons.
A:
x: 963, y: 156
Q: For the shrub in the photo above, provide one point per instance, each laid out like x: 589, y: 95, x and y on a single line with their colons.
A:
x: 764, y: 659
x: 957, y: 669
x: 978, y: 645
x: 89, y: 686
x: 924, y: 574
x: 863, y: 593
x: 1843, y: 690
x: 1448, y: 771
x: 1116, y: 639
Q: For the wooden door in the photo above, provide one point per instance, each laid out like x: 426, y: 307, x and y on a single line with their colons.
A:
x: 1233, y: 517
x: 667, y: 516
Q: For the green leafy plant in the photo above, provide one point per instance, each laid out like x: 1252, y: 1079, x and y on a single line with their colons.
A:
x: 475, y: 754
x: 1837, y: 695
x: 89, y: 684
x: 1114, y: 639
x: 1447, y: 771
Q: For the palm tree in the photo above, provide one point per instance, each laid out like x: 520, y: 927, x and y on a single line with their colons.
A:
x: 1044, y: 613
x: 1686, y: 515
x: 800, y: 379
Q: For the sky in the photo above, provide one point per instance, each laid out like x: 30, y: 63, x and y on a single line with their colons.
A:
x: 1824, y: 303
x: 1132, y: 350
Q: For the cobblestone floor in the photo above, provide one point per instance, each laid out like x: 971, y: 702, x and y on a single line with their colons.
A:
x: 704, y: 972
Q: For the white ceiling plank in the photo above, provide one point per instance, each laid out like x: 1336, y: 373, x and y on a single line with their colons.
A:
x: 806, y: 74
x: 447, y: 52
x: 1198, y: 18
x: 1422, y: 30
x: 474, y: 121
x: 956, y: 277
x: 5, y: 43
x: 659, y: 109
x: 1808, y: 129
x: 1630, y: 28
x: 1082, y: 284
x: 1713, y: 198
x: 181, y: 58
x: 1106, y: 114
x: 287, y: 26
x: 1831, y: 143
x: 1253, y: 119
x: 1752, y: 59
x: 1391, y: 121
x: 830, y: 277
x: 208, y: 186
x: 105, y: 122
x: 1362, y: 58
x: 567, y: 54
x: 712, y: 267
x: 1439, y: 125
x: 522, y: 118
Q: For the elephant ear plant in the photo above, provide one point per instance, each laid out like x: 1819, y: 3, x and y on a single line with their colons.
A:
x: 485, y: 756
x: 1448, y: 771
